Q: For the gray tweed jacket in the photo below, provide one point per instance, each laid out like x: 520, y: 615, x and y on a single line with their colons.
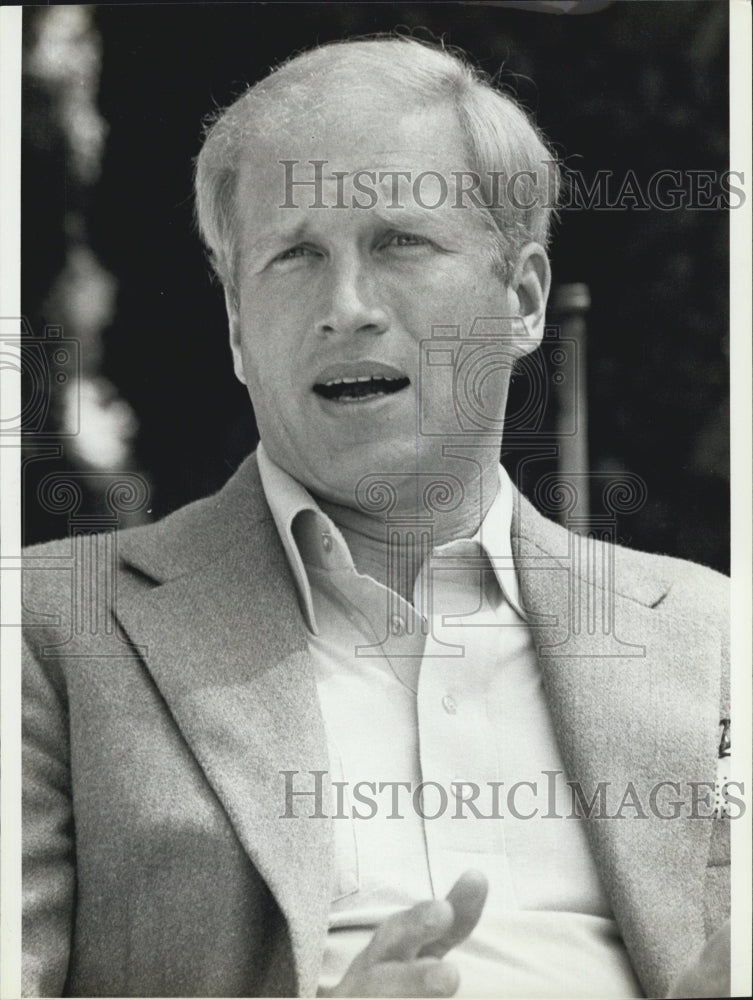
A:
x: 168, y: 683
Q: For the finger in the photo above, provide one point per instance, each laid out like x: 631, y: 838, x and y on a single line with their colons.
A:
x: 423, y: 977
x: 467, y: 898
x: 401, y: 936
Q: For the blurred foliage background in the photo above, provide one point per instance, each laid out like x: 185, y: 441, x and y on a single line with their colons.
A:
x: 114, y: 97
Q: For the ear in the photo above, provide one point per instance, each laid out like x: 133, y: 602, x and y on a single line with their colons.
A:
x: 529, y: 285
x: 234, y: 325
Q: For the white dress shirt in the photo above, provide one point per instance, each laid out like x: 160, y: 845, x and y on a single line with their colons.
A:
x: 444, y: 758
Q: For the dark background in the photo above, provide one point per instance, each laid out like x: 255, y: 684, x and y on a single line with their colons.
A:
x: 636, y: 85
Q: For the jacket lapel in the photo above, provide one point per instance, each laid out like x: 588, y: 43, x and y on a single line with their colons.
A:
x: 633, y: 693
x: 224, y: 648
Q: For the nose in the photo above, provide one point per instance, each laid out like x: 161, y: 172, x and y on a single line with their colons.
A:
x: 350, y: 303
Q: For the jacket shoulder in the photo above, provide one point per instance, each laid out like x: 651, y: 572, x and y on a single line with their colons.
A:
x: 179, y: 543
x: 684, y: 587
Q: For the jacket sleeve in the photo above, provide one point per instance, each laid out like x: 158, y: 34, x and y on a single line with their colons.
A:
x: 48, y: 835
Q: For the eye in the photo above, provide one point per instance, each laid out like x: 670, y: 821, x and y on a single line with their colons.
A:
x: 295, y: 253
x: 407, y: 240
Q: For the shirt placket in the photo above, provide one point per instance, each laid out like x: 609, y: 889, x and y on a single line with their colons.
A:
x: 457, y: 740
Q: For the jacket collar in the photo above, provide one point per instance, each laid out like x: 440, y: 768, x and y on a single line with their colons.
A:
x: 189, y: 540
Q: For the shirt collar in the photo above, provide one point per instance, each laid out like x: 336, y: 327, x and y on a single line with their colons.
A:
x: 309, y: 536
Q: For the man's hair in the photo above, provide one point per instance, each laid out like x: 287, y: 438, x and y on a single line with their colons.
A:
x: 501, y: 138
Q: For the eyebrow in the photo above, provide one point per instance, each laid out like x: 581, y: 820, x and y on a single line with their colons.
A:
x: 407, y: 217
x: 271, y: 240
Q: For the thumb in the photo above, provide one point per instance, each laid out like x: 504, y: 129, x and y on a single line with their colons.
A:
x: 467, y: 898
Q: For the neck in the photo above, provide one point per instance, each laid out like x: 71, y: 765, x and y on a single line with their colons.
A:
x: 398, y: 519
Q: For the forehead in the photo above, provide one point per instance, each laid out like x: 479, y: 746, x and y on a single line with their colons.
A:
x: 336, y: 124
x: 333, y: 149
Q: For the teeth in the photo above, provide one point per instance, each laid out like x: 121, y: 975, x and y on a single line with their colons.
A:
x: 356, y: 399
x: 361, y: 378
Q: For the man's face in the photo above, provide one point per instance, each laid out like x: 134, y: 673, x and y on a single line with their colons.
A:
x: 335, y: 302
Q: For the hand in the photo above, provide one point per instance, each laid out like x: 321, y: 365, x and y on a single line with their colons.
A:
x: 709, y: 974
x: 404, y: 957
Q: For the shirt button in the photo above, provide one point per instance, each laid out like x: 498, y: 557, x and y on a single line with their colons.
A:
x: 398, y: 625
x: 449, y: 705
x: 326, y: 541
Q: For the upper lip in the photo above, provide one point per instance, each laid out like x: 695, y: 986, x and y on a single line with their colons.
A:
x: 352, y: 371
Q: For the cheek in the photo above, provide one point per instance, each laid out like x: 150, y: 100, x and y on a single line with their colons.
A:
x: 451, y: 304
x: 255, y: 358
x: 261, y: 330
x: 463, y: 284
x: 429, y: 295
x: 267, y: 377
x: 274, y: 323
x: 271, y: 367
x: 265, y: 305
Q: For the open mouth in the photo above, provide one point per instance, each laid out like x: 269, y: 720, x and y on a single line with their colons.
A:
x: 361, y: 387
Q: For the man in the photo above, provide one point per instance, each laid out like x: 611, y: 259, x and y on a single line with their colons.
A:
x: 348, y: 725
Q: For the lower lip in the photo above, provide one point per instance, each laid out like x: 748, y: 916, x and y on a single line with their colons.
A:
x: 350, y: 406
